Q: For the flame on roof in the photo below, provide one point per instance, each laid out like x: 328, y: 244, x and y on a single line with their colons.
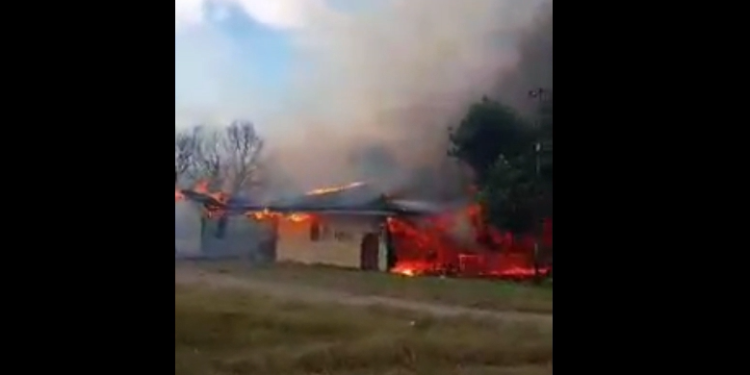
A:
x: 334, y: 189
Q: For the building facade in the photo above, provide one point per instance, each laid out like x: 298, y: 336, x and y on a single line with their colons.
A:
x: 342, y: 240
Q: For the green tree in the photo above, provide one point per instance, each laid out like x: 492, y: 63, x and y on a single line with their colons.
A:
x: 510, y: 194
x: 489, y: 129
x: 512, y: 165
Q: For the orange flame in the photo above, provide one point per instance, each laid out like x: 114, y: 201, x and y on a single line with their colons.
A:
x: 430, y: 246
x: 334, y: 189
x: 457, y: 242
x: 298, y: 217
x: 266, y: 214
x: 202, y: 188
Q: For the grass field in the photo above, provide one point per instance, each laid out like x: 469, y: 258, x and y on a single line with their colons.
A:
x: 484, y: 294
x: 233, y: 332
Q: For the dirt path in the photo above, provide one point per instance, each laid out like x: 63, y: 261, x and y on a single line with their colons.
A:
x: 191, y: 275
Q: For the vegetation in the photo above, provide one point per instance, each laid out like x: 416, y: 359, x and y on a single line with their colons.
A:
x: 511, y: 157
x: 228, y: 159
x: 233, y: 332
x: 484, y: 294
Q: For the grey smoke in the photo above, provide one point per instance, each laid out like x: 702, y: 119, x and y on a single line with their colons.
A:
x: 392, y: 78
x: 396, y: 78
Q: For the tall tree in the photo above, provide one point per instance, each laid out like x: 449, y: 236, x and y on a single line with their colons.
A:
x: 185, y: 147
x: 227, y: 158
x: 488, y: 130
x: 512, y: 172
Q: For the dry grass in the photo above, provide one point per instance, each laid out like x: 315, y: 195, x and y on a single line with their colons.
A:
x: 233, y: 332
x: 485, y: 294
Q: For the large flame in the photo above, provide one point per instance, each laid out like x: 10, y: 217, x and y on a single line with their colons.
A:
x: 435, y: 246
x: 458, y: 242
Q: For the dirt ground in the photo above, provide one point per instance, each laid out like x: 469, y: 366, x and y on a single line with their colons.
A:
x: 187, y: 274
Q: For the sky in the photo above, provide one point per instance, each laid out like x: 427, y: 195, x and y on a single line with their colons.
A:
x: 225, y: 52
x: 228, y: 52
x: 343, y: 72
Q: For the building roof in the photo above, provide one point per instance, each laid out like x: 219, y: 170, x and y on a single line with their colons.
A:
x: 201, y: 198
x: 361, y: 199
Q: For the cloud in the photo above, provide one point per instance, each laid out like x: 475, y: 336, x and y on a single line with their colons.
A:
x: 211, y: 83
x: 281, y: 14
x: 188, y: 13
x: 214, y: 78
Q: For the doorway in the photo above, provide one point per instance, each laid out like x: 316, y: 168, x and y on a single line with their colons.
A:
x: 369, y: 252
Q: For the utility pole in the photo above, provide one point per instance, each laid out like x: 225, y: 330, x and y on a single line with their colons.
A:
x: 538, y: 94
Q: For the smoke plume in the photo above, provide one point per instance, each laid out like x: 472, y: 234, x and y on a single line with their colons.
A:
x: 392, y: 77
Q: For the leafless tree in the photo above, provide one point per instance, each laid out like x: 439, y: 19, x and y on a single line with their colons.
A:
x: 185, y: 145
x: 208, y: 161
x: 228, y: 158
x: 242, y: 147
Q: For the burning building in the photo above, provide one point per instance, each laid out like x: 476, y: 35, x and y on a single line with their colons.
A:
x: 356, y: 226
x: 204, y: 229
x: 344, y: 227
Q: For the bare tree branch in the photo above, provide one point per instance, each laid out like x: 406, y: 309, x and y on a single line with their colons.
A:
x: 185, y: 144
x: 228, y: 159
x: 243, y: 147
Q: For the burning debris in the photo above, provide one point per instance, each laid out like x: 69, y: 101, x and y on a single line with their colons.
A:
x: 421, y: 241
x: 437, y: 245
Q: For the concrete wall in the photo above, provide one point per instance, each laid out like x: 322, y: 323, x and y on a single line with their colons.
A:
x: 196, y: 237
x: 187, y: 229
x: 338, y: 244
x: 242, y: 238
